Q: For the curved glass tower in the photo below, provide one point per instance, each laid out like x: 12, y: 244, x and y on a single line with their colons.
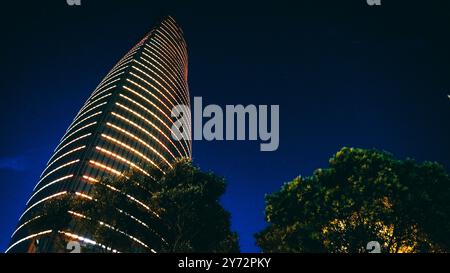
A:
x: 125, y: 124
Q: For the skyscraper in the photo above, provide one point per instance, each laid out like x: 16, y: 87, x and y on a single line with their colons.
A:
x: 125, y: 124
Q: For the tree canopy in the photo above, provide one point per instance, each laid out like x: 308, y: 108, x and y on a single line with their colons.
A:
x: 363, y: 196
x: 178, y: 211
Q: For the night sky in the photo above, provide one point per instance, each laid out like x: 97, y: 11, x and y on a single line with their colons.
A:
x: 344, y: 74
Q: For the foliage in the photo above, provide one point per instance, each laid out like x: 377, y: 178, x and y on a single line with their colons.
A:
x: 364, y: 195
x: 175, y: 211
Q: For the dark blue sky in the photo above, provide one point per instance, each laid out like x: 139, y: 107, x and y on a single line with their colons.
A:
x: 343, y: 73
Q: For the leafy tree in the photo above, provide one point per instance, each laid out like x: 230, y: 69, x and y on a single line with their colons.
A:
x: 52, y: 216
x: 364, y: 195
x: 175, y: 211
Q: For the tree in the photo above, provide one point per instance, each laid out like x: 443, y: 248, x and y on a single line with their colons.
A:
x: 52, y: 216
x: 175, y: 211
x: 364, y: 195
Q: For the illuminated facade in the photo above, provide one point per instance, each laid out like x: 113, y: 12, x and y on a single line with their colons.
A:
x: 125, y: 124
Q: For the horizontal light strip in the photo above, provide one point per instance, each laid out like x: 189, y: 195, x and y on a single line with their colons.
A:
x: 122, y: 61
x: 24, y: 224
x: 111, y: 75
x: 127, y: 235
x: 89, y: 110
x: 95, y: 101
x: 87, y: 240
x: 102, y: 166
x: 140, y: 141
x: 120, y: 143
x: 100, y: 92
x: 134, y: 199
x: 137, y: 220
x: 28, y: 237
x: 172, y: 103
x: 90, y: 179
x: 83, y: 195
x: 108, y: 83
x: 115, y: 74
x: 160, y: 75
x: 54, y: 170
x: 172, y: 35
x: 176, y: 82
x: 153, y: 104
x: 154, y: 48
x: 129, y: 197
x: 179, y: 92
x: 77, y: 130
x: 65, y: 145
x: 49, y: 184
x: 169, y: 48
x: 77, y: 214
x: 144, y: 131
x: 120, y: 158
x: 171, y: 31
x: 122, y: 211
x: 150, y: 112
x: 168, y: 23
x: 168, y: 65
x: 154, y: 87
x: 117, y: 69
x: 42, y: 200
x: 181, y: 98
x: 143, y: 224
x: 112, y: 228
x: 173, y: 48
x: 63, y: 155
x: 150, y: 123
x: 83, y: 120
x: 173, y: 63
x: 169, y: 120
x: 162, y: 49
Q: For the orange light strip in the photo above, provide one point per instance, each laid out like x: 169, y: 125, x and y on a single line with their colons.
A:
x: 95, y: 101
x: 173, y: 84
x: 27, y: 238
x: 120, y: 143
x: 120, y: 158
x: 104, y: 167
x: 174, y: 48
x: 176, y: 73
x: 180, y: 98
x: 65, y: 137
x: 63, y: 155
x: 153, y: 125
x: 42, y: 200
x: 49, y: 184
x: 54, y: 170
x: 153, y: 114
x: 83, y: 120
x: 179, y: 91
x: 176, y: 81
x: 90, y: 179
x: 57, y: 150
x: 140, y: 141
x: 145, y: 132
x: 168, y: 50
